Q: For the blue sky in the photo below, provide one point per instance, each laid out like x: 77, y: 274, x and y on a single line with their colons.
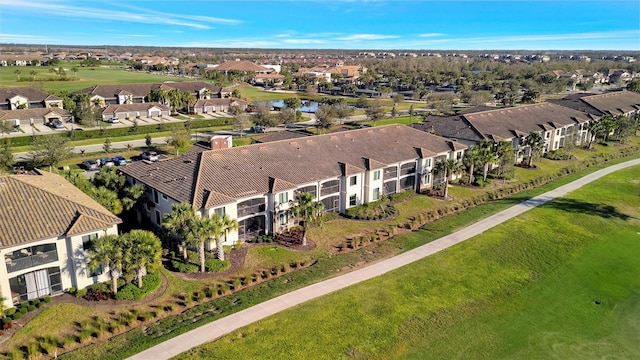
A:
x: 327, y: 24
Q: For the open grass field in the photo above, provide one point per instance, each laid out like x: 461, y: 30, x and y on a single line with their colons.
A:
x: 559, y: 282
x: 83, y: 78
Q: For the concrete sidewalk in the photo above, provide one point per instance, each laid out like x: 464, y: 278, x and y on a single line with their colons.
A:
x: 221, y: 327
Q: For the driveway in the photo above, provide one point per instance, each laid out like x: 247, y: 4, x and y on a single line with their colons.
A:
x: 226, y: 325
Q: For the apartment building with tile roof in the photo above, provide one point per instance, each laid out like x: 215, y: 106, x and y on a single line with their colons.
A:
x: 13, y: 98
x: 46, y: 226
x: 255, y: 183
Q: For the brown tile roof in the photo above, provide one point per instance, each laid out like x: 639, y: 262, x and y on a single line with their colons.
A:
x: 218, y: 102
x: 45, y: 205
x: 193, y: 86
x: 33, y: 95
x: 112, y: 109
x: 503, y: 122
x: 36, y: 113
x: 241, y: 65
x: 281, y: 135
x: 243, y: 171
x: 614, y: 103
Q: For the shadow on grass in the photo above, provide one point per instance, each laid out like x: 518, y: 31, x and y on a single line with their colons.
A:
x: 585, y: 207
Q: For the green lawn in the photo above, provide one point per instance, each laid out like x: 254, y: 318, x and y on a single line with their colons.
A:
x: 561, y: 281
x: 85, y: 77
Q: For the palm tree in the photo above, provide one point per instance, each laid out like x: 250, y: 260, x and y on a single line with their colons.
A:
x: 505, y: 154
x: 17, y: 72
x: 204, y: 229
x: 75, y: 72
x: 449, y: 167
x: 593, y: 129
x: 146, y: 252
x: 535, y: 142
x: 222, y: 226
x: 179, y: 223
x: 471, y: 158
x: 307, y: 211
x: 109, y: 250
x: 33, y: 74
x: 487, y: 156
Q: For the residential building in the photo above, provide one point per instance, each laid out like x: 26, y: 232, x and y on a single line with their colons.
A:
x: 612, y: 103
x: 46, y: 227
x: 136, y: 93
x: 557, y: 124
x: 36, y: 116
x: 255, y: 183
x: 209, y: 106
x: 14, y: 98
x: 151, y: 110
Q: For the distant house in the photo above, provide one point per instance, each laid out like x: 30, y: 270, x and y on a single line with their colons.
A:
x: 243, y: 66
x: 208, y: 106
x: 152, y: 110
x: 13, y: 98
x: 616, y: 76
x: 254, y: 184
x: 46, y: 227
x: 38, y: 116
x: 136, y: 93
x: 613, y: 103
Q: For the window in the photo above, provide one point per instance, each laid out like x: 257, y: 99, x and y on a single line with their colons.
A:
x: 458, y: 155
x: 165, y: 197
x: 376, y: 175
x: 283, y: 219
x: 427, y: 162
x: 155, y: 196
x: 331, y: 203
x: 547, y: 134
x: 158, y: 218
x: 353, y: 181
x: 87, y: 241
x: 376, y: 194
x: 353, y: 200
x: 563, y: 131
x: 311, y: 189
x: 31, y: 256
x: 557, y: 132
x: 283, y: 197
x: 407, y: 182
x: 219, y: 211
x: 427, y: 179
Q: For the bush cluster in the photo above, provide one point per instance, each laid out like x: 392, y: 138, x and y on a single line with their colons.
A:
x: 150, y: 283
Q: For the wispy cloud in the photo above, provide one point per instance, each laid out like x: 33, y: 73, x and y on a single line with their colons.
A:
x: 303, y: 41
x: 431, y: 35
x: 360, y: 37
x: 23, y: 39
x: 140, y: 15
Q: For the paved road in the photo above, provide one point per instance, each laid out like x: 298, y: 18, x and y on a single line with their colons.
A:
x: 221, y: 327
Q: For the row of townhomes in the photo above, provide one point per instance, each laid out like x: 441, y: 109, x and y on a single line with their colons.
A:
x: 26, y: 106
x: 255, y: 183
x: 557, y: 121
x: 46, y: 227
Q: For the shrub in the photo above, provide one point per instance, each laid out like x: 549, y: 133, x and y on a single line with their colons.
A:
x: 150, y: 283
x: 482, y: 183
x: 16, y: 316
x: 180, y: 266
x: 30, y: 307
x: 215, y: 265
x: 10, y: 311
x: 81, y: 293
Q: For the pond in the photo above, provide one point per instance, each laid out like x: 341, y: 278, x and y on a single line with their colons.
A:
x: 307, y: 105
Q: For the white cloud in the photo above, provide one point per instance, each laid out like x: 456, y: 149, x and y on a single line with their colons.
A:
x: 303, y: 41
x: 140, y: 15
x: 24, y: 39
x: 431, y: 35
x: 359, y: 37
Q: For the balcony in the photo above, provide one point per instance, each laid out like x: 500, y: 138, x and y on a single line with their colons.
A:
x: 21, y: 263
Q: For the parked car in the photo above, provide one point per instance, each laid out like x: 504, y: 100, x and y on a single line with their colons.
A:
x: 149, y: 155
x: 119, y: 160
x: 113, y: 120
x: 107, y: 162
x: 56, y: 124
x: 256, y: 129
x: 90, y: 165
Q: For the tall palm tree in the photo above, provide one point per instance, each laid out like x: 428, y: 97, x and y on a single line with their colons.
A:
x: 179, y: 223
x: 307, y: 211
x: 535, y: 142
x: 487, y: 156
x: 449, y: 167
x: 222, y: 226
x: 471, y: 158
x: 146, y: 252
x: 593, y: 129
x: 505, y: 154
x: 33, y: 74
x: 204, y: 229
x: 109, y: 250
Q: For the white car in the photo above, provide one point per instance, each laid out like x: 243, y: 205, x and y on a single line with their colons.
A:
x: 149, y: 155
x: 113, y: 121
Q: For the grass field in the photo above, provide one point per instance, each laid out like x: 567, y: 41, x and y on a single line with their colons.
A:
x: 83, y: 78
x: 560, y: 282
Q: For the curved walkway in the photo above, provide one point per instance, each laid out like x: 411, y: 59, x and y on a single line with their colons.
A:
x: 220, y: 327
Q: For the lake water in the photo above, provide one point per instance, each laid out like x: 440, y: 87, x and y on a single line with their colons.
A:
x: 307, y: 106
